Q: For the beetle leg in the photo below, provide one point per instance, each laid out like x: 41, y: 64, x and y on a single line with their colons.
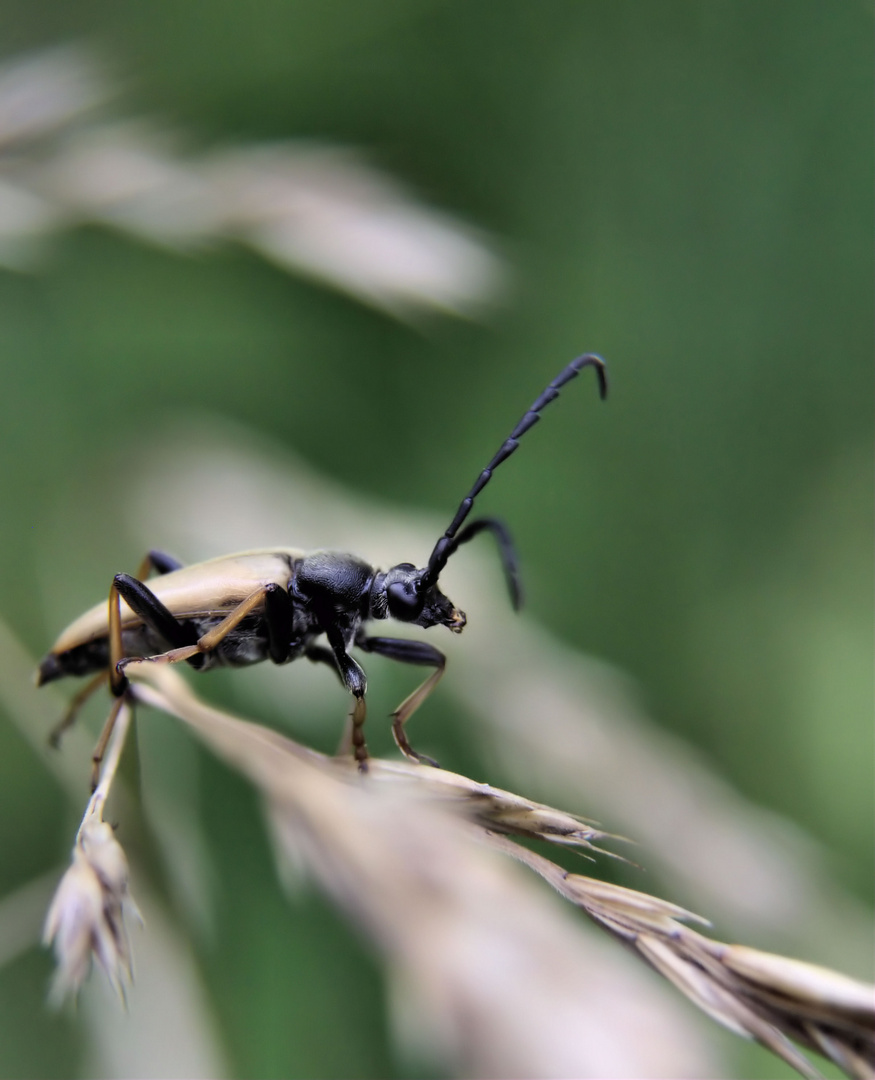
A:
x: 145, y: 603
x: 117, y: 681
x: 354, y: 679
x: 160, y: 562
x: 357, y: 734
x: 320, y: 655
x: 408, y: 652
x: 146, y: 608
x: 279, y: 617
x: 100, y: 749
x: 69, y: 717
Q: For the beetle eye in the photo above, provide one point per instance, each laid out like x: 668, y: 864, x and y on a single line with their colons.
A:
x: 405, y: 601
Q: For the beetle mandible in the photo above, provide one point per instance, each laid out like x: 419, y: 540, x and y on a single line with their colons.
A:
x: 275, y: 604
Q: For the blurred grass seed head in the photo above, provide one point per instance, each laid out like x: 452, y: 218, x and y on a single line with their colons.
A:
x: 319, y: 211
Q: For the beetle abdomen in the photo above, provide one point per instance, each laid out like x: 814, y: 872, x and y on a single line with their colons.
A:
x: 246, y: 644
x: 83, y: 660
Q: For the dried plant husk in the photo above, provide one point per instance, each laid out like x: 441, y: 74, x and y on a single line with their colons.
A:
x: 388, y: 860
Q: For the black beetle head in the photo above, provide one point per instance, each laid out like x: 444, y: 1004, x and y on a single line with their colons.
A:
x: 409, y: 599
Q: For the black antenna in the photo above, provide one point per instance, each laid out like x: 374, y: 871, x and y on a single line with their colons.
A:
x: 449, y: 542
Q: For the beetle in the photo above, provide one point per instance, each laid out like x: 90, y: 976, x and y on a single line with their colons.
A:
x: 276, y: 604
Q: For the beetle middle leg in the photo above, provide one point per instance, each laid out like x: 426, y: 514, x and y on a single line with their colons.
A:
x: 159, y: 561
x: 271, y: 600
x: 408, y: 652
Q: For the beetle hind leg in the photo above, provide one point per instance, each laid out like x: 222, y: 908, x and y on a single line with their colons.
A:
x: 103, y: 741
x: 75, y: 706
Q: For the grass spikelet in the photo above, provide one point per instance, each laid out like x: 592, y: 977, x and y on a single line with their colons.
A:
x: 87, y: 915
x: 367, y: 852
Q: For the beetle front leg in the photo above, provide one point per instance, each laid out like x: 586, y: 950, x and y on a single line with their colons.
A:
x: 408, y: 652
x: 354, y: 679
x: 319, y: 654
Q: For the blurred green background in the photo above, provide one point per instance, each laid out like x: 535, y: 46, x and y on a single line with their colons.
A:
x: 682, y: 187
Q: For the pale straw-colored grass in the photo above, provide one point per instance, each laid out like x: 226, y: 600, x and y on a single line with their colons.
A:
x: 90, y: 910
x: 69, y: 157
x: 169, y: 1028
x: 409, y: 853
x: 760, y: 995
x: 470, y: 946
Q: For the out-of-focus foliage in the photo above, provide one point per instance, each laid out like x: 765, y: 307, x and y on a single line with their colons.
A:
x: 685, y: 188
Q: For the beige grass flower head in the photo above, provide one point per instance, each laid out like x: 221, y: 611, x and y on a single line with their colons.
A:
x: 86, y: 918
x: 322, y: 211
x: 396, y: 855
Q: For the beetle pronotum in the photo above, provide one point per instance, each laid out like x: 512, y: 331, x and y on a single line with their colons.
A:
x: 275, y: 605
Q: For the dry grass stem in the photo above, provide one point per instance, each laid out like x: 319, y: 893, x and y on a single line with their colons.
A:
x: 468, y: 943
x: 87, y: 915
x: 482, y: 804
x: 756, y: 994
x: 762, y: 996
x: 170, y: 1029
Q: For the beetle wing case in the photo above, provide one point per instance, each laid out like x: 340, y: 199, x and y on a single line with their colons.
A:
x: 213, y: 587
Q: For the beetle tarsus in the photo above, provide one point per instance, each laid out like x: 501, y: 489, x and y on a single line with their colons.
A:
x: 408, y: 751
x: 359, y: 746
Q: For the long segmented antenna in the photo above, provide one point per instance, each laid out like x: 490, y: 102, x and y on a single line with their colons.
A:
x: 449, y: 542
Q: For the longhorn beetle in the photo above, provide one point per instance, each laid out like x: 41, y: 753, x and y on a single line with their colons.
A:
x: 276, y: 603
